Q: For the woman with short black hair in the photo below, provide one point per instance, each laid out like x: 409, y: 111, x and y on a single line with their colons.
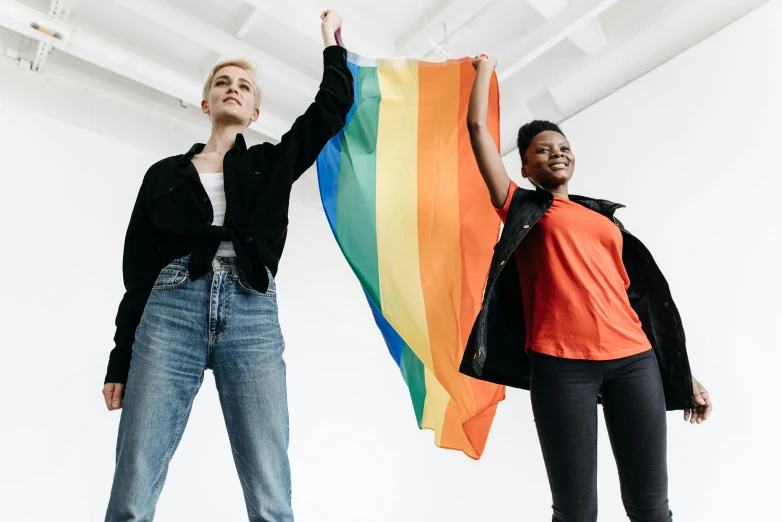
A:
x: 577, y: 312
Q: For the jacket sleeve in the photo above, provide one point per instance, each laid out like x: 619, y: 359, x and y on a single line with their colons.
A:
x: 324, y: 118
x: 140, y: 268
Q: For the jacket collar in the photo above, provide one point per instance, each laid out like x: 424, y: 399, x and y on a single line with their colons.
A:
x: 602, y: 206
x: 185, y: 166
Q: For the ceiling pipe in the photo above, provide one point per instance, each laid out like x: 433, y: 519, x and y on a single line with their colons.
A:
x: 20, y: 18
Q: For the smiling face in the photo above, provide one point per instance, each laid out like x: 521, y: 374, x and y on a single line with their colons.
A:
x: 231, y: 96
x: 548, y: 161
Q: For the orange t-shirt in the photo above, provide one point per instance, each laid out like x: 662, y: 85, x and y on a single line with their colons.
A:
x: 574, y: 285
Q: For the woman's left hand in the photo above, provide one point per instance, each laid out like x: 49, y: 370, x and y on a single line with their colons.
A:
x: 331, y: 21
x: 703, y: 407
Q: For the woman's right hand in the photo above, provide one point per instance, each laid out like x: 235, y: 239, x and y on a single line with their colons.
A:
x: 702, y: 410
x: 330, y: 23
x: 483, y: 60
x: 113, y: 393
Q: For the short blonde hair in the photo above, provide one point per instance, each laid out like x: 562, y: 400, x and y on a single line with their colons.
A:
x: 235, y: 62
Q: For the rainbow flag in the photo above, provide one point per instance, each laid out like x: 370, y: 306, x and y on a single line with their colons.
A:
x: 407, y: 205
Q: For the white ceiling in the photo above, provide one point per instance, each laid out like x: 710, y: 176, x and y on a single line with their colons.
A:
x: 556, y: 57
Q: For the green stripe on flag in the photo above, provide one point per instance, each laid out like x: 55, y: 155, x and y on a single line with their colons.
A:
x: 356, y: 208
x: 413, y: 372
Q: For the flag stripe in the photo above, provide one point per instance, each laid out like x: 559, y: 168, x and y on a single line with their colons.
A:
x: 397, y: 199
x: 413, y: 372
x: 411, y: 366
x: 438, y: 227
x: 356, y: 227
x: 328, y: 162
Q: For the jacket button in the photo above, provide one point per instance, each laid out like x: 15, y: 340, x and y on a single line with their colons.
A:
x: 666, y: 303
x: 249, y: 240
x: 170, y: 189
x: 206, y: 199
x: 526, y: 226
x: 208, y: 223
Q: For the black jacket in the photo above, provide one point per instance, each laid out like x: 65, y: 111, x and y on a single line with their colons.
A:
x: 495, y: 349
x: 173, y: 216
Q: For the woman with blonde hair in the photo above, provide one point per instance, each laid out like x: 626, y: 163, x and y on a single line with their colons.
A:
x: 201, y: 251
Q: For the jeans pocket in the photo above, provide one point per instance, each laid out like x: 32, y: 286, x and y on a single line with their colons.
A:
x: 271, y: 290
x: 170, y: 278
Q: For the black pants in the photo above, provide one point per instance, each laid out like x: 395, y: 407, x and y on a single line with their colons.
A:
x: 564, y: 402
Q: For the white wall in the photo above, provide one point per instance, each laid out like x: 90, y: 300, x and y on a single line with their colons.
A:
x: 691, y: 148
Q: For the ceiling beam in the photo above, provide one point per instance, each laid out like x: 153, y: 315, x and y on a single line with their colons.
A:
x: 448, y: 17
x: 359, y: 33
x: 288, y: 16
x: 590, y: 38
x: 667, y: 33
x: 247, y: 25
x: 556, y: 30
x: 188, y: 26
x: 244, y: 29
x: 18, y: 17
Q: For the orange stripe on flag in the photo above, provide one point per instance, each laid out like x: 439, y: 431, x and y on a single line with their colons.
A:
x: 438, y: 223
x: 476, y: 220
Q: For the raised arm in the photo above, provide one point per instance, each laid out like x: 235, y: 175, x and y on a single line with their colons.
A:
x: 324, y: 118
x: 483, y: 145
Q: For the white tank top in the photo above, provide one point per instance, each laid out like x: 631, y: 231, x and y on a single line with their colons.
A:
x: 215, y: 189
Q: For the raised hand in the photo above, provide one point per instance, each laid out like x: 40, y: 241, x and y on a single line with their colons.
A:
x: 330, y: 22
x: 483, y: 60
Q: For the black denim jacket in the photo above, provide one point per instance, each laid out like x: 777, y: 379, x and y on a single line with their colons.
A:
x: 495, y: 349
x: 173, y: 216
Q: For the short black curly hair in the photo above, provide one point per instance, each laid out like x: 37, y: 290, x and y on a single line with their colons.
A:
x: 532, y: 129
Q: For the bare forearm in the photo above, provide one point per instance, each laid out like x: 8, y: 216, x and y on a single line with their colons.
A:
x: 490, y: 165
x: 328, y: 38
x: 483, y: 145
x: 477, y: 112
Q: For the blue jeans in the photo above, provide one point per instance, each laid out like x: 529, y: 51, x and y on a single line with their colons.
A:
x: 217, y: 322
